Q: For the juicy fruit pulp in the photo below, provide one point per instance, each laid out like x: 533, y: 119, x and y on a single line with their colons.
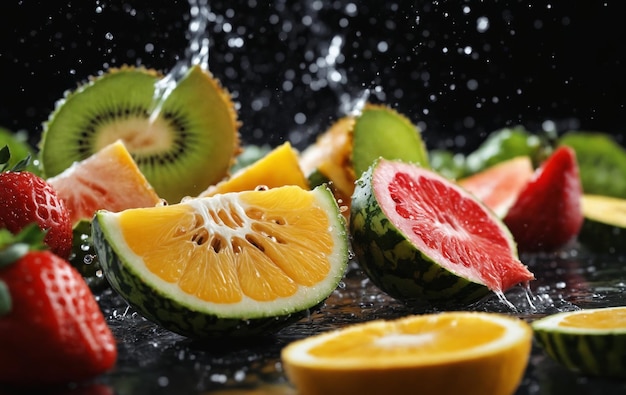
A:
x: 420, y: 236
x: 109, y: 179
x: 591, y: 341
x: 232, y: 264
x: 485, y: 353
x: 499, y: 186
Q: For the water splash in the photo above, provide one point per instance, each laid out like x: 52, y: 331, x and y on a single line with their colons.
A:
x: 196, y: 54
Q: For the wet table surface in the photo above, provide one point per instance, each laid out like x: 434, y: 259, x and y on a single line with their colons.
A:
x: 155, y: 361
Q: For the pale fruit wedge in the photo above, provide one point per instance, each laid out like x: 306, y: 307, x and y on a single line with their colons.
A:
x: 109, y: 179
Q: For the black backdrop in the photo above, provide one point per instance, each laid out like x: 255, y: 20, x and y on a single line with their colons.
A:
x: 435, y: 61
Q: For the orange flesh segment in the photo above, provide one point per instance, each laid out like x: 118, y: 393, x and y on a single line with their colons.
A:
x: 249, y: 246
x: 452, y: 229
x: 610, y: 319
x: 422, y: 338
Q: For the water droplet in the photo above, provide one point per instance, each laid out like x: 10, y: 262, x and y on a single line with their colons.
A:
x: 482, y: 24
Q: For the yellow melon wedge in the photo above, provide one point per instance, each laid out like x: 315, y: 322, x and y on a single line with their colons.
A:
x: 278, y: 168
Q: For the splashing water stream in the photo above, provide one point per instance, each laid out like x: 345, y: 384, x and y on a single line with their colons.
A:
x: 197, y: 53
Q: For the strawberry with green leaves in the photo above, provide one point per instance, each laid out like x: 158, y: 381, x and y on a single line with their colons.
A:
x: 27, y: 198
x: 52, y: 330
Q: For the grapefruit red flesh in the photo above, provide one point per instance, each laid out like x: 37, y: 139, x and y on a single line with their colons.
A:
x: 450, y: 225
x: 499, y: 186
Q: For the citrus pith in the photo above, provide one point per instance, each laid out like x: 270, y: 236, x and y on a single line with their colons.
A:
x: 233, y: 264
x: 445, y: 353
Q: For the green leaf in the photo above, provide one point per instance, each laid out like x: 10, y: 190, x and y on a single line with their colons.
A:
x: 15, y: 246
x: 5, y: 155
x: 5, y: 299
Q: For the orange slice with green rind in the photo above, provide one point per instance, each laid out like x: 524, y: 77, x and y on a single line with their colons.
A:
x: 588, y: 341
x: 446, y: 353
x: 235, y: 264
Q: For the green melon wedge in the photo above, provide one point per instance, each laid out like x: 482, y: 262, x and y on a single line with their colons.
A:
x: 604, y: 224
x: 421, y: 238
x: 231, y: 265
x: 589, y: 341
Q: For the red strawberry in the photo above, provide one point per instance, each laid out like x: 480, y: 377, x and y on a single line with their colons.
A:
x: 547, y: 213
x: 28, y: 198
x: 52, y: 330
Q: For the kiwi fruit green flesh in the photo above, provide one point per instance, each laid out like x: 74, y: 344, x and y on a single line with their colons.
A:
x: 601, y: 162
x: 189, y: 145
x: 380, y: 131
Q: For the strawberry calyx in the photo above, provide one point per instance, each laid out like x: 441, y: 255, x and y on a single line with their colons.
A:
x: 12, y: 248
x: 5, y: 155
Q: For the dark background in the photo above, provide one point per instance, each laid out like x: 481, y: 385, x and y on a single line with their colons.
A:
x: 537, y: 61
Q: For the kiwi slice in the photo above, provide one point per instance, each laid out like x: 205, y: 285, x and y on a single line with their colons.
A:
x: 189, y: 145
x: 380, y: 131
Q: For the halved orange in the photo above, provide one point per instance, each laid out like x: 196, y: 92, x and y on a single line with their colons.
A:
x: 238, y: 263
x: 446, y: 353
x: 108, y: 179
x: 277, y: 168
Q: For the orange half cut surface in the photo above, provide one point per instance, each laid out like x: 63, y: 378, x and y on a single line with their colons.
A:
x: 445, y: 353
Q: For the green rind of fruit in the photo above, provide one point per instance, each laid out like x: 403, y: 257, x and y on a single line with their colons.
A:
x: 382, y: 132
x: 601, y: 162
x: 604, y: 225
x: 594, y: 353
x: 394, y: 264
x: 157, y: 306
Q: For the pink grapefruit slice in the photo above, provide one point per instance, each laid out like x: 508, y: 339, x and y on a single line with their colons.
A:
x: 421, y: 237
x: 499, y: 186
x: 108, y: 179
